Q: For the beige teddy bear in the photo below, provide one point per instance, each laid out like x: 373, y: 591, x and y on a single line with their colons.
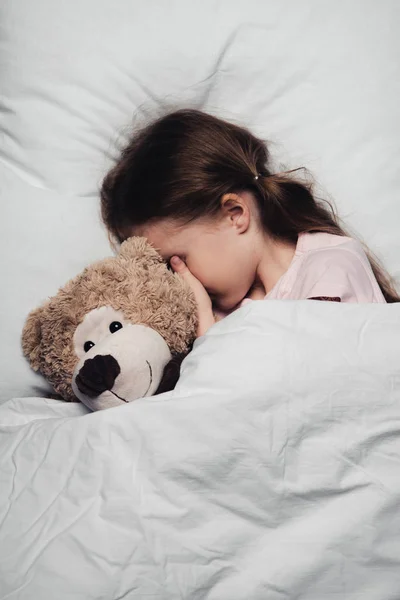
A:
x: 115, y: 333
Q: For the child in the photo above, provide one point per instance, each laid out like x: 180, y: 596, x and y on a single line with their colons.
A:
x: 202, y: 192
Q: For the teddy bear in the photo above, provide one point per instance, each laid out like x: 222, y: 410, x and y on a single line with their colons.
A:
x: 116, y: 332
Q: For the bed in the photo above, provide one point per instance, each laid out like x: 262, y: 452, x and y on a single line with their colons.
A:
x: 273, y: 470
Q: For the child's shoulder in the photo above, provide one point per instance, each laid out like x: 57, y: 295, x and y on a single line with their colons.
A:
x: 317, y: 243
x: 322, y: 252
x: 337, y: 264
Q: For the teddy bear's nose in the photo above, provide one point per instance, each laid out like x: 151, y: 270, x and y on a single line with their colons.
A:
x: 97, y: 375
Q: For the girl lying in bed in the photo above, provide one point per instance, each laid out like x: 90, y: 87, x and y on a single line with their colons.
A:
x: 202, y: 191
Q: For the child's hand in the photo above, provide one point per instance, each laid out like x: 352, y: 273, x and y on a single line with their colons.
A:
x: 203, y: 300
x: 257, y: 292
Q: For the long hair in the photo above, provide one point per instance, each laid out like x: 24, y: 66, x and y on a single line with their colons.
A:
x: 182, y: 164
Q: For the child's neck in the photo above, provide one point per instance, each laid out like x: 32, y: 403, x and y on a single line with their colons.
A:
x: 276, y: 258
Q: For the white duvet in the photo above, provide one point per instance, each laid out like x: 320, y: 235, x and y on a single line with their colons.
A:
x: 271, y: 472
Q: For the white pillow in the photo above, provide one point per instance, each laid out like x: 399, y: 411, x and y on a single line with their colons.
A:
x: 318, y: 79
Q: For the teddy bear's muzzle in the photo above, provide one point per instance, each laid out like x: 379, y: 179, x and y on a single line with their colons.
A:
x: 121, y: 365
x: 97, y: 375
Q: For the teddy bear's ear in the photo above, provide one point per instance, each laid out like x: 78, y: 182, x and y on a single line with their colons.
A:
x: 32, y: 337
x: 139, y: 248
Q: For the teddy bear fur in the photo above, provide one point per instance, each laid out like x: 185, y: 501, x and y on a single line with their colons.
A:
x: 136, y: 282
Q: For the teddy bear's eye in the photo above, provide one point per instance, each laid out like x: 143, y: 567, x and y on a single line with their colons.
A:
x: 115, y: 325
x: 87, y: 346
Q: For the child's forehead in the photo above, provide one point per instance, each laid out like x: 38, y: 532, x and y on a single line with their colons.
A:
x: 168, y: 235
x: 164, y: 235
x: 157, y: 231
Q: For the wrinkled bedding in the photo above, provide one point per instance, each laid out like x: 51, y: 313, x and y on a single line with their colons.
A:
x: 272, y: 471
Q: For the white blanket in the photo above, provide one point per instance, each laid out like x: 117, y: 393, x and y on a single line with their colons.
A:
x: 272, y: 472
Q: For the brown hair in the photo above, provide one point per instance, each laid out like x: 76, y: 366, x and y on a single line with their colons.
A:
x: 182, y: 164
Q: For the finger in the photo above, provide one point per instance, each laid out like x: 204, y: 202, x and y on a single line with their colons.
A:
x: 256, y: 293
x: 182, y: 270
x: 202, y: 298
x: 179, y: 266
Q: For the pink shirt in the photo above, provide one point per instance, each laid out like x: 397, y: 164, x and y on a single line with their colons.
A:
x: 327, y: 266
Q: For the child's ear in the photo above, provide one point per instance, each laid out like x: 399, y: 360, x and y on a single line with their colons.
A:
x: 32, y: 337
x: 236, y: 209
